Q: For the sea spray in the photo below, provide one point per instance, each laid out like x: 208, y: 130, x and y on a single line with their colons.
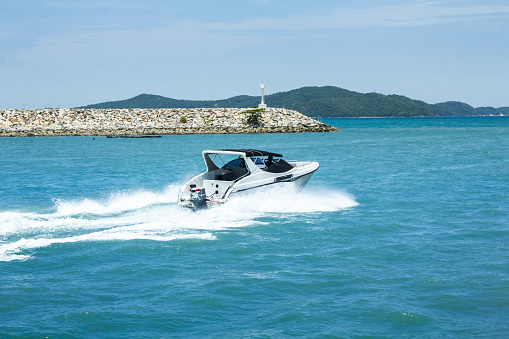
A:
x: 118, y: 202
x: 155, y: 216
x: 284, y: 199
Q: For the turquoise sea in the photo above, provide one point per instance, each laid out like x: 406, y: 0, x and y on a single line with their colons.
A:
x: 402, y: 232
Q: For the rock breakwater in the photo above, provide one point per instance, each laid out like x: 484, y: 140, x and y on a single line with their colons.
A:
x: 73, y: 122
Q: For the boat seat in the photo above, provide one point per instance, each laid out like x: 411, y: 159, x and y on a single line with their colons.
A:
x: 238, y: 172
x: 279, y: 167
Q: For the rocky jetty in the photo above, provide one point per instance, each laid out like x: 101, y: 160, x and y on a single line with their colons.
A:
x: 72, y: 122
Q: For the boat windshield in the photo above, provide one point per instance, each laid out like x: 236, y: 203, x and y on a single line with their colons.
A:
x: 226, y: 161
x: 260, y: 162
x: 239, y: 162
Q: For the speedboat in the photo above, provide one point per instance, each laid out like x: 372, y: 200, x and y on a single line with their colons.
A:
x: 230, y: 171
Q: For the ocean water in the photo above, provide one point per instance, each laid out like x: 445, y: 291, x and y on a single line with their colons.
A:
x: 402, y: 232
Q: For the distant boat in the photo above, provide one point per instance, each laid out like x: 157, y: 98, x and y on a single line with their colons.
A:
x: 133, y: 136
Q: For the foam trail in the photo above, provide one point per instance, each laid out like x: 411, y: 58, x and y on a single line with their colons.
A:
x: 11, y: 251
x: 118, y: 203
x: 86, y: 213
x: 154, y: 216
x: 285, y: 200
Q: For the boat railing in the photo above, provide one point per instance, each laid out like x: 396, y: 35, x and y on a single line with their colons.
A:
x: 227, y: 192
x: 299, y: 163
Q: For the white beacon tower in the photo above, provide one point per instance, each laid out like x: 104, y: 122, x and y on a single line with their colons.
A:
x: 262, y: 104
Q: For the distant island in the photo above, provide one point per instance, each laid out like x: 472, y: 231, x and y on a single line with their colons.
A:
x: 327, y: 101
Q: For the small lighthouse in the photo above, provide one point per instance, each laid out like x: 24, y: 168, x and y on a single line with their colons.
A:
x: 262, y: 104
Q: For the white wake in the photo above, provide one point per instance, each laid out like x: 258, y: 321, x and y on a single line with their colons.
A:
x: 152, y: 216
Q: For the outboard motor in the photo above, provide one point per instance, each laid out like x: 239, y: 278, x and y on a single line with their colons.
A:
x: 198, y: 196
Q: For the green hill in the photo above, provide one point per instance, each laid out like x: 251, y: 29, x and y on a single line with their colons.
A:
x: 327, y: 101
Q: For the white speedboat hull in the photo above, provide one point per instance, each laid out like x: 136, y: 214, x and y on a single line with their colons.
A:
x: 245, y: 173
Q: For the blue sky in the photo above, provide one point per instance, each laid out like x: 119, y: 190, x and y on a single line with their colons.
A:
x: 67, y: 53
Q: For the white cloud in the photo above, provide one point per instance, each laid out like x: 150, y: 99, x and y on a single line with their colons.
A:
x: 186, y: 38
x: 411, y: 14
x: 209, y: 35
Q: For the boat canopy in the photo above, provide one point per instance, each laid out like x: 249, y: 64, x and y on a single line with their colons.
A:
x: 249, y: 152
